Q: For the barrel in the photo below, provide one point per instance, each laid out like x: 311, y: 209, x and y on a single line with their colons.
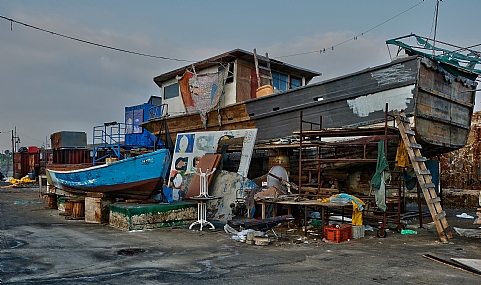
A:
x: 264, y: 91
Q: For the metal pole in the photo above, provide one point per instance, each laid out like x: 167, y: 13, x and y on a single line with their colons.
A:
x: 13, y: 156
x: 435, y: 26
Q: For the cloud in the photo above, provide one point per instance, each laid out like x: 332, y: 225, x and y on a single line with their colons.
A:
x: 340, y: 55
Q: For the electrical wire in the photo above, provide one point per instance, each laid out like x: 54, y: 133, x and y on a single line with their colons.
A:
x: 184, y: 60
x: 323, y: 50
x: 90, y: 43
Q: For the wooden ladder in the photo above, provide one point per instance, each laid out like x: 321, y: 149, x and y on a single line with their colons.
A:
x: 266, y: 70
x: 424, y: 176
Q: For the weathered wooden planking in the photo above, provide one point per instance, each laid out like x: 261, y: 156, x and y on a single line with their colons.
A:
x: 354, y: 99
x: 473, y: 263
x: 416, y: 85
x: 234, y: 117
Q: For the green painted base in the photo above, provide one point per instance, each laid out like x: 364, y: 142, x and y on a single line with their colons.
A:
x: 132, y: 216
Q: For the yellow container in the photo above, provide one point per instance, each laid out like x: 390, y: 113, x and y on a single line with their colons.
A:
x: 264, y: 90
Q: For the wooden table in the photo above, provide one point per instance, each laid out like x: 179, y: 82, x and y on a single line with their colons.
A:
x: 306, y: 203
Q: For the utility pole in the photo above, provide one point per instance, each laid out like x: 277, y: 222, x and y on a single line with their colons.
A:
x: 15, y: 140
x: 13, y: 157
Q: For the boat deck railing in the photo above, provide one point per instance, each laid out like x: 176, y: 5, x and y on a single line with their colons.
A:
x: 109, y: 137
x: 159, y: 112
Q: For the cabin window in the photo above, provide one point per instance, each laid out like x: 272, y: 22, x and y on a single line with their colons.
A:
x: 279, y: 81
x: 171, y: 91
x: 230, y: 73
x: 295, y: 82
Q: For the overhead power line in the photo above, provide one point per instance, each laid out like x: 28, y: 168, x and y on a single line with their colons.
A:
x: 353, y: 38
x: 323, y: 50
x: 90, y: 43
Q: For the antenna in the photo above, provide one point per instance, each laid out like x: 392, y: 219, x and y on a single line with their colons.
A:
x: 436, y: 24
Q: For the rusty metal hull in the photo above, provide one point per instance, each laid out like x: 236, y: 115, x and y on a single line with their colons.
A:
x: 440, y: 102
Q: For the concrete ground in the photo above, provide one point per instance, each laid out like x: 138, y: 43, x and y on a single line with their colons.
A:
x: 39, y: 246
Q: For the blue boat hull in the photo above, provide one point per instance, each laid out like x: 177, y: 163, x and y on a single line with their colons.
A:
x: 136, y: 176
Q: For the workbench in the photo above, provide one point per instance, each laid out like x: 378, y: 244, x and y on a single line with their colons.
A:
x: 306, y: 203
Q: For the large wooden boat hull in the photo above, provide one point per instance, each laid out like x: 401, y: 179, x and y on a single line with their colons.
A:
x: 131, y: 177
x: 440, y: 101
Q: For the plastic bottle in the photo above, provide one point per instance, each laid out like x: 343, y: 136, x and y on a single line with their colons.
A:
x: 409, y: 232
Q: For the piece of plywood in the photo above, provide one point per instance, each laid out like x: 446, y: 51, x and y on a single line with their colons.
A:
x: 453, y: 264
x: 473, y: 263
x: 206, y: 163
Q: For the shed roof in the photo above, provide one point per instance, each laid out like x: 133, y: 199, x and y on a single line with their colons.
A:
x: 242, y: 54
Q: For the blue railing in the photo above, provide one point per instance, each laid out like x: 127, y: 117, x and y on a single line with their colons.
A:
x: 109, y: 137
x: 159, y: 112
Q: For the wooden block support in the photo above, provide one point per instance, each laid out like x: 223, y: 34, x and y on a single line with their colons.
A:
x: 78, y: 208
x: 52, y: 201
x: 97, y: 209
x: 68, y: 207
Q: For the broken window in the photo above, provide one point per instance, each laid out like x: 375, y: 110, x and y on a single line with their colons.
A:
x: 230, y: 73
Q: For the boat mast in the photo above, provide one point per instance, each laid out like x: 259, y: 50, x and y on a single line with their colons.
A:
x: 435, y: 24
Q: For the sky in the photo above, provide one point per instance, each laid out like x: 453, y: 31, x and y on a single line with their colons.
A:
x: 50, y: 83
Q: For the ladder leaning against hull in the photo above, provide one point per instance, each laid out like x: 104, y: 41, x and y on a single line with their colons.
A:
x: 424, y: 177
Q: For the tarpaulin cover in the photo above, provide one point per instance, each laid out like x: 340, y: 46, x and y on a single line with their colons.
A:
x: 201, y: 92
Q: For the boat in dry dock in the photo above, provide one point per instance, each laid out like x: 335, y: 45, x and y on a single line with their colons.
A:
x: 137, y: 176
x: 435, y: 86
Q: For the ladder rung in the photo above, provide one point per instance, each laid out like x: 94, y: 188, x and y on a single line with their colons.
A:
x: 264, y: 67
x: 430, y: 185
x: 424, y: 172
x: 420, y: 159
x: 409, y: 132
x: 441, y: 215
x: 415, y: 145
x: 435, y: 200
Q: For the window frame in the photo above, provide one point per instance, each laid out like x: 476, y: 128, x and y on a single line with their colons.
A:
x: 170, y: 94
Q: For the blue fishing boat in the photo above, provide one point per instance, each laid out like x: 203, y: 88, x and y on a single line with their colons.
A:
x: 135, y: 176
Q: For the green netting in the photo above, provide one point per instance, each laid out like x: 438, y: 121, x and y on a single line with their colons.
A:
x: 454, y: 58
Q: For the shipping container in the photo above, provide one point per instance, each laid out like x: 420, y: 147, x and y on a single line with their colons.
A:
x: 26, y: 162
x: 32, y: 149
x: 135, y: 135
x: 71, y: 156
x: 68, y: 139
